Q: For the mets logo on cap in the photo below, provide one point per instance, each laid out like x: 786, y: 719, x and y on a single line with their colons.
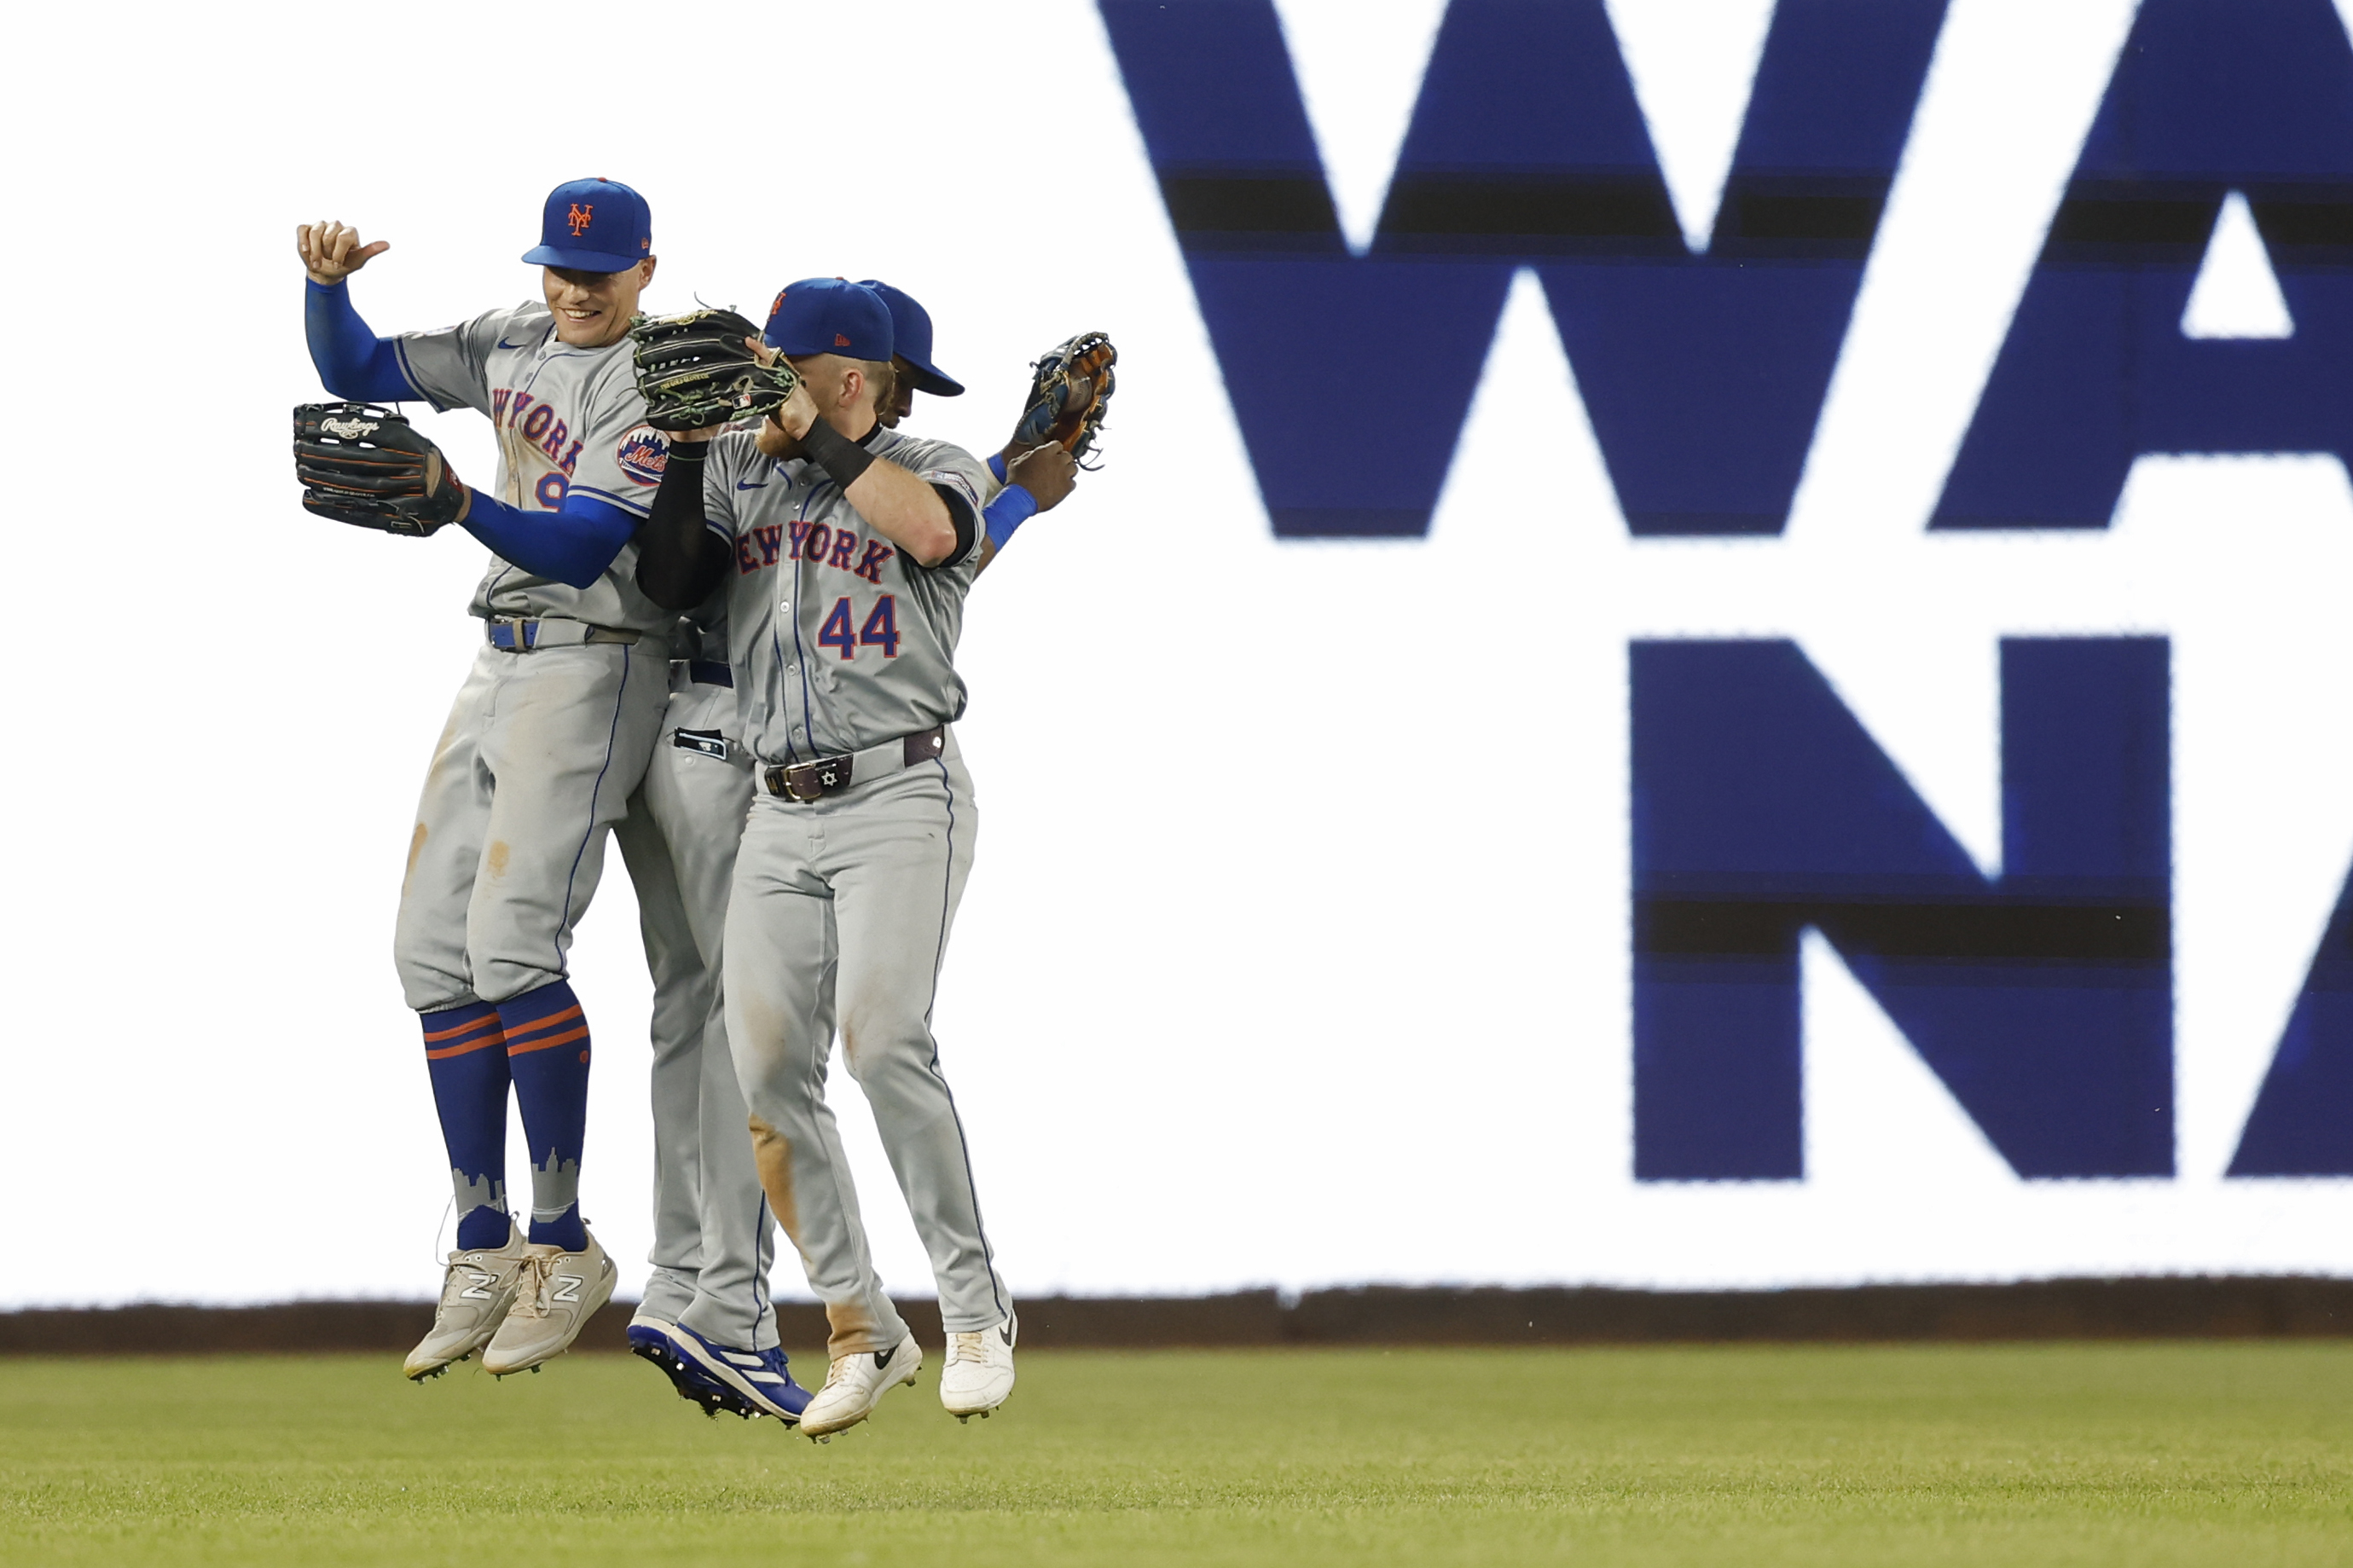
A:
x: 643, y: 454
x: 593, y: 226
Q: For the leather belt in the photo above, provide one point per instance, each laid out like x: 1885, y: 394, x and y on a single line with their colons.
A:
x: 806, y: 782
x: 522, y: 636
x: 708, y: 672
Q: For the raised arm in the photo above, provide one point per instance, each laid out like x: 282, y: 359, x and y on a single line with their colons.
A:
x: 931, y: 522
x: 680, y: 557
x: 351, y: 361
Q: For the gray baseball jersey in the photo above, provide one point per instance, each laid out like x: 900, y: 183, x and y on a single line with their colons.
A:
x: 838, y: 641
x: 841, y: 908
x: 568, y: 420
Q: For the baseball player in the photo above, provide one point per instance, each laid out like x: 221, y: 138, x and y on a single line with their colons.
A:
x: 846, y: 550
x: 707, y: 1319
x: 544, y: 745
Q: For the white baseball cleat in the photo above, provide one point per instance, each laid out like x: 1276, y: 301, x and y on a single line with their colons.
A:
x: 979, y: 1376
x: 855, y: 1383
x: 476, y: 1291
x: 559, y: 1292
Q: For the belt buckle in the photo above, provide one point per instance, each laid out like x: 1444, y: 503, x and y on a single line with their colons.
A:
x: 807, y: 781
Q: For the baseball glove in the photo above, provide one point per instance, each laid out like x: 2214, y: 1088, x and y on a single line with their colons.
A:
x: 366, y: 464
x: 1068, y: 394
x: 696, y: 371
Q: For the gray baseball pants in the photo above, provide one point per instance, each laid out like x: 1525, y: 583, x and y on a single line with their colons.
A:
x: 846, y: 903
x: 540, y: 756
x: 714, y: 1237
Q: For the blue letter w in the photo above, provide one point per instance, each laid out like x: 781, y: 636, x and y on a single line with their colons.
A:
x: 1350, y: 375
x: 2043, y: 999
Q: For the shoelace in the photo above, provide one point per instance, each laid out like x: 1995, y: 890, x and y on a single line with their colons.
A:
x: 530, y: 1287
x: 973, y: 1346
x: 838, y: 1370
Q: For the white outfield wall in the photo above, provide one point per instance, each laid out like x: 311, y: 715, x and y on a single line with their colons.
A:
x: 1245, y: 990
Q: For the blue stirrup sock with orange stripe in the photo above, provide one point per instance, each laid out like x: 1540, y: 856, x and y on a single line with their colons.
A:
x: 547, y: 1054
x: 465, y: 1052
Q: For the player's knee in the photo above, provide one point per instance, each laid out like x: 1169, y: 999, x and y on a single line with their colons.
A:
x: 883, y: 1038
x: 763, y: 1042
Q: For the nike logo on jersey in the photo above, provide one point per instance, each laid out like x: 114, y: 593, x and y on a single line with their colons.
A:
x: 504, y: 345
x: 751, y: 484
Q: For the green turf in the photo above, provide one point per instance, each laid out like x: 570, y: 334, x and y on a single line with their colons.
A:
x: 2238, y: 1454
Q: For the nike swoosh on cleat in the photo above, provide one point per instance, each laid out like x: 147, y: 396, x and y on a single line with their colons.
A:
x: 882, y: 1361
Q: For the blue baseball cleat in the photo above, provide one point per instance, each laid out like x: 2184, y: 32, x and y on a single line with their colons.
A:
x: 757, y: 1378
x: 649, y: 1340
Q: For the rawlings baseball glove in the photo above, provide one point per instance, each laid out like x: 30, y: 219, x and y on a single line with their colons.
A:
x: 696, y: 371
x: 366, y: 464
x: 1068, y: 394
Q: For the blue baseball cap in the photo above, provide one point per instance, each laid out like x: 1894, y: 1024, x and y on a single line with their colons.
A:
x: 829, y: 316
x: 911, y: 329
x: 593, y: 226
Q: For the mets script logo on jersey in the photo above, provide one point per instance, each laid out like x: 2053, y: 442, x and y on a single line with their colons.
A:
x: 840, y: 548
x: 644, y: 453
x: 580, y: 216
x: 349, y: 429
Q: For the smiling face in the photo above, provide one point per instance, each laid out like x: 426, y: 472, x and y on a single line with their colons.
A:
x: 593, y: 309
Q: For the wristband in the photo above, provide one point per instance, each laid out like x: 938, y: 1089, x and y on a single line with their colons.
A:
x: 1013, y: 507
x: 842, y: 458
x: 689, y: 451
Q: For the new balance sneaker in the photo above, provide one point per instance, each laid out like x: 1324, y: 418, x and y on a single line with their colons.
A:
x: 759, y: 1378
x: 979, y: 1376
x: 559, y: 1292
x: 476, y: 1291
x: 855, y: 1383
x: 649, y: 1340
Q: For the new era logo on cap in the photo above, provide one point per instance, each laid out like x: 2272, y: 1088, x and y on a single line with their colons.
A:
x: 840, y: 339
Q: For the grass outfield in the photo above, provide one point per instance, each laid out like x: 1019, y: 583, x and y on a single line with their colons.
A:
x: 2240, y: 1454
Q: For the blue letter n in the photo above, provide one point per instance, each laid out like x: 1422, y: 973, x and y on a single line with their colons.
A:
x: 2043, y: 998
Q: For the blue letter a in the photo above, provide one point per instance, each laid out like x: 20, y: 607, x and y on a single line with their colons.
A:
x: 2043, y: 999
x: 2209, y: 97
x: 1350, y: 375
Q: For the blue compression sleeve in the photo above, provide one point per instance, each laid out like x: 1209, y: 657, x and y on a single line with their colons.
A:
x: 573, y: 545
x: 1013, y: 507
x: 352, y: 361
